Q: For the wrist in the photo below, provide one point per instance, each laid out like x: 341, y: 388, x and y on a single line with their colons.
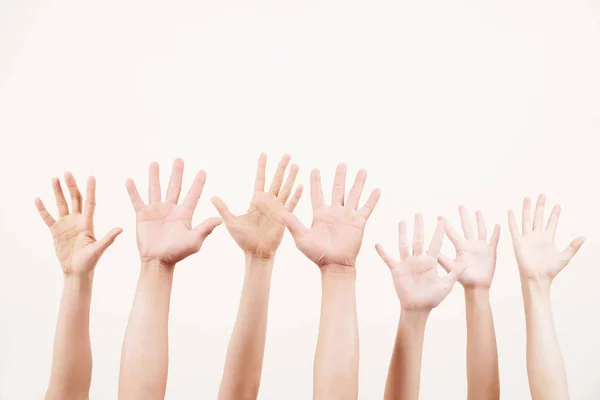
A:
x: 157, y: 266
x: 78, y: 282
x: 253, y: 260
x: 338, y: 270
x: 477, y: 292
x: 536, y: 286
x: 415, y: 318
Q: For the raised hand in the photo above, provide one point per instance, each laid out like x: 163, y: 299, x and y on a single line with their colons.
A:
x: 477, y: 258
x: 474, y: 255
x: 417, y: 282
x: 537, y: 255
x: 164, y: 229
x: 74, y: 241
x: 78, y: 252
x: 337, y: 230
x: 260, y: 230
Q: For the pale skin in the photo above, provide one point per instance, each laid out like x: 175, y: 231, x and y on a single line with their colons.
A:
x: 539, y: 263
x: 258, y: 233
x: 420, y: 289
x: 333, y: 243
x: 165, y: 236
x: 478, y: 259
x: 78, y: 252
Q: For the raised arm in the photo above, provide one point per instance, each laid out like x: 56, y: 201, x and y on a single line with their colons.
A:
x: 420, y: 289
x: 164, y: 236
x: 258, y: 233
x: 539, y: 262
x: 78, y: 252
x: 333, y: 243
x: 478, y: 258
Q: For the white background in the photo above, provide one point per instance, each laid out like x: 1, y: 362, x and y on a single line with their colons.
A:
x: 444, y: 103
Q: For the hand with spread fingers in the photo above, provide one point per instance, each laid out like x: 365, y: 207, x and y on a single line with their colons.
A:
x: 78, y: 252
x: 478, y: 258
x: 164, y: 236
x: 473, y: 254
x: 74, y: 240
x: 537, y: 255
x: 539, y: 262
x: 420, y: 288
x: 260, y: 230
x: 258, y: 233
x: 418, y: 284
x: 335, y: 237
x: 164, y: 228
x: 333, y: 243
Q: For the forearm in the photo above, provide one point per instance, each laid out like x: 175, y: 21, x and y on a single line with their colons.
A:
x: 404, y: 375
x: 482, y: 353
x: 144, y: 359
x: 72, y: 360
x: 243, y: 364
x: 336, y: 358
x: 545, y: 366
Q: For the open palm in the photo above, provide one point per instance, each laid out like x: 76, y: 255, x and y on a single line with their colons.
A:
x: 473, y: 254
x: 417, y: 282
x: 260, y: 230
x: 336, y: 233
x: 164, y: 229
x: 535, y: 250
x: 73, y: 233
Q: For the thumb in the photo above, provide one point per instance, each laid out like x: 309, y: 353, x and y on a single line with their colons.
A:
x: 206, y: 227
x: 453, y: 275
x: 574, y: 247
x: 446, y: 262
x: 221, y: 208
x: 294, y: 225
x: 101, y: 245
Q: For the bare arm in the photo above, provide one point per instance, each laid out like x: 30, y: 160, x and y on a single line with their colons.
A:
x: 539, y: 262
x: 72, y: 360
x: 164, y: 237
x: 145, y: 355
x: 243, y: 365
x: 333, y: 243
x: 478, y: 258
x: 258, y: 232
x: 545, y: 365
x: 404, y: 375
x: 78, y: 252
x: 482, y: 352
x: 336, y: 358
x: 420, y: 289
